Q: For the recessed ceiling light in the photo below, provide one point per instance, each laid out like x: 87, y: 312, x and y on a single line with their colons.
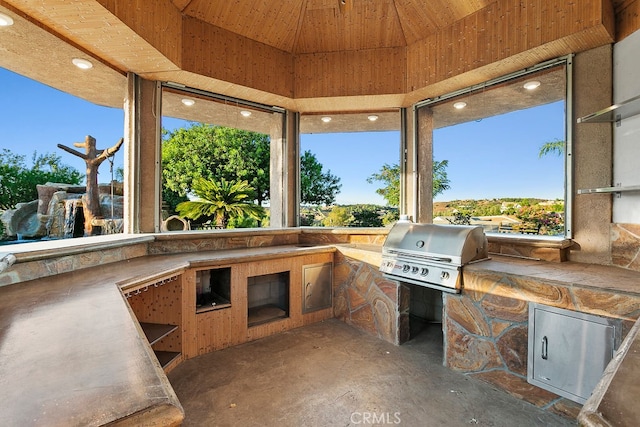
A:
x: 83, y: 64
x: 372, y: 118
x: 459, y: 105
x: 531, y: 85
x: 188, y: 102
x: 245, y: 113
x: 326, y: 119
x: 5, y: 20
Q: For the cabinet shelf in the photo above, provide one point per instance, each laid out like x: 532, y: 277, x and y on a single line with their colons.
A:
x: 614, y: 113
x: 166, y: 357
x: 601, y: 190
x: 155, y: 331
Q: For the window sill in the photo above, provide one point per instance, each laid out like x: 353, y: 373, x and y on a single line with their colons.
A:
x: 545, y: 248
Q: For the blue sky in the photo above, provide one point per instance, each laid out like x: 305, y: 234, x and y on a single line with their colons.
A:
x: 498, y: 156
x: 354, y: 157
x: 37, y: 118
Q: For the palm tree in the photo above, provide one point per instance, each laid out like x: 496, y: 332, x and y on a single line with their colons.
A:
x: 224, y: 200
x: 556, y: 146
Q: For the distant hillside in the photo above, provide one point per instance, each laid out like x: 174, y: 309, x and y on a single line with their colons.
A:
x: 487, y: 207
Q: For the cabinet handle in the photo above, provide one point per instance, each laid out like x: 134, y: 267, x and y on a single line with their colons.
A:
x: 545, y: 348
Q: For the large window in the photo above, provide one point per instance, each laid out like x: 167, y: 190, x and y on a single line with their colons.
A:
x: 501, y: 148
x: 36, y: 120
x: 216, y: 161
x: 349, y: 169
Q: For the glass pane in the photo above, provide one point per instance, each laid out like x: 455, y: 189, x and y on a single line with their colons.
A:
x: 504, y: 156
x: 216, y: 162
x: 38, y: 120
x: 341, y: 159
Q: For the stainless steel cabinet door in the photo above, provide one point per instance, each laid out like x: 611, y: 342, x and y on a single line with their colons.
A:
x: 316, y: 287
x: 568, y: 351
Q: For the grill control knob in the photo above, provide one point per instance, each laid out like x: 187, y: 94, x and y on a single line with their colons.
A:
x: 424, y: 271
x: 406, y: 268
x: 414, y: 270
x: 444, y: 275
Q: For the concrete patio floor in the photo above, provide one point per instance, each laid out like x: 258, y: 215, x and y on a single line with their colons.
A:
x: 331, y: 374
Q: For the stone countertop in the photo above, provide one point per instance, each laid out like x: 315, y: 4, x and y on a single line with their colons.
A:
x: 564, y: 273
x: 70, y: 353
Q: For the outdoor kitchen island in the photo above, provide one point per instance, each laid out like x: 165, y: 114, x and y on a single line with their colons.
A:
x: 485, y: 327
x: 70, y: 331
x: 72, y: 353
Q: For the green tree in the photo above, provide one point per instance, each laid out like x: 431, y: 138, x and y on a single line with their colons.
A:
x: 213, y: 153
x: 440, y: 180
x: 18, y: 181
x: 366, y: 216
x: 317, y: 187
x: 338, y: 217
x: 222, y: 201
x: 460, y: 218
x: 389, y: 175
x: 556, y: 146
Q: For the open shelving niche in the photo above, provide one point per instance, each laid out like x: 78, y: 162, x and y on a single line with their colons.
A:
x: 613, y: 114
x: 155, y: 330
x: 213, y: 289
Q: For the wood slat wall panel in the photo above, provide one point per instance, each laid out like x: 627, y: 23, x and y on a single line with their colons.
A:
x: 221, y: 54
x: 163, y: 305
x: 189, y: 325
x: 553, y: 28
x: 293, y: 266
x: 222, y: 328
x: 157, y: 22
x: 376, y: 71
x: 627, y: 19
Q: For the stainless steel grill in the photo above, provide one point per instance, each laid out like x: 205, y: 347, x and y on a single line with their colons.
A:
x: 432, y: 255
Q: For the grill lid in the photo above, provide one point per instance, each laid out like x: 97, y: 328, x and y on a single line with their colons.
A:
x: 432, y: 255
x: 457, y: 244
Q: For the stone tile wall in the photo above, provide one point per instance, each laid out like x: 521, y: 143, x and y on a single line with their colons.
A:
x: 30, y: 270
x: 221, y: 241
x: 486, y: 328
x: 625, y: 246
x: 363, y: 298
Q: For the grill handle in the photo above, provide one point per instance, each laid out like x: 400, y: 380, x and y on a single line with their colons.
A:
x: 418, y: 256
x: 436, y: 258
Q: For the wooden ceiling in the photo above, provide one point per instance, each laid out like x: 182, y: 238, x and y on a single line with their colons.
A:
x: 311, y: 56
x: 312, y: 26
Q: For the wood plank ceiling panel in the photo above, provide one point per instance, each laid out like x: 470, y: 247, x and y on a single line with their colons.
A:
x: 422, y: 18
x: 368, y: 24
x: 271, y: 22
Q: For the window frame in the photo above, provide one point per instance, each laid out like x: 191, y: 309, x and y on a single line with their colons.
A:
x: 567, y: 62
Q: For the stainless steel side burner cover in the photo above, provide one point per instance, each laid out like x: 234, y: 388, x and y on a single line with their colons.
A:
x: 432, y: 255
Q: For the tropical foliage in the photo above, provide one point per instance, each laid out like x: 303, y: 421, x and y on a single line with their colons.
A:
x: 552, y: 147
x: 217, y: 152
x: 213, y: 153
x: 18, y: 181
x: 221, y: 201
